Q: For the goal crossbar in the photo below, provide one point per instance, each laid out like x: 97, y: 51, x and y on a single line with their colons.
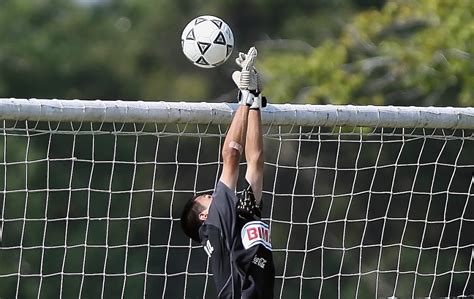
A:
x: 221, y: 113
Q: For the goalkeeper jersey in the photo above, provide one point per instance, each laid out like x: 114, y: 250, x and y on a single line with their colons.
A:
x: 239, y: 249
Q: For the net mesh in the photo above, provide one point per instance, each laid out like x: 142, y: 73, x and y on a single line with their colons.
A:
x: 93, y: 208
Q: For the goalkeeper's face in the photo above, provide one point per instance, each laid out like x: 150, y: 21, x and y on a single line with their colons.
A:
x: 205, y: 202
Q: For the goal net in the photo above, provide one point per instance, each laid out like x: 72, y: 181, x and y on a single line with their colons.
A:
x: 362, y: 201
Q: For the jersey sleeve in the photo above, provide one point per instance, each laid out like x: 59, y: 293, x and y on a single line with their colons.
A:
x: 225, y: 280
x: 222, y: 213
x: 217, y: 236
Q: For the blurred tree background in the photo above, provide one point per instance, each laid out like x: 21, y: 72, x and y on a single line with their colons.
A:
x: 357, y: 52
x: 375, y: 52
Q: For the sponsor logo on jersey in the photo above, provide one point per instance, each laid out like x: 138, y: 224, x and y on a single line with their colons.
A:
x: 259, y: 261
x: 208, y: 248
x: 254, y: 233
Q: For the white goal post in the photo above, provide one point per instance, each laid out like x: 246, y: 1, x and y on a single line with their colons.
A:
x: 362, y: 201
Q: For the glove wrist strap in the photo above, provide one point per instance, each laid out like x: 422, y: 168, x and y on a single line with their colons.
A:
x: 245, y: 97
x: 252, y: 98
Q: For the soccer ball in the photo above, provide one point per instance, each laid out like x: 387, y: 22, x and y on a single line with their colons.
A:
x: 207, y: 41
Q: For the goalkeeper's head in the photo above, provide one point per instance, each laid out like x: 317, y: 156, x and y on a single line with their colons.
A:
x: 194, y: 214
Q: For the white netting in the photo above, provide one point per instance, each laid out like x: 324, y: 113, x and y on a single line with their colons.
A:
x: 93, y: 208
x: 373, y: 213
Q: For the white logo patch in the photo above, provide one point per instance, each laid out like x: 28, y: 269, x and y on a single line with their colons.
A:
x: 259, y: 261
x: 255, y: 232
x: 208, y: 248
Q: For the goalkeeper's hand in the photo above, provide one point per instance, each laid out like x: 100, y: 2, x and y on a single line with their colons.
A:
x: 248, y: 80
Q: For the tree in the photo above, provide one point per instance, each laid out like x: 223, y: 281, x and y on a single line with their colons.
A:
x: 408, y: 53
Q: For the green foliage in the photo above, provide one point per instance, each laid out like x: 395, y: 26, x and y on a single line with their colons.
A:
x: 339, y: 52
x: 58, y: 49
x: 311, y: 76
x: 408, y: 53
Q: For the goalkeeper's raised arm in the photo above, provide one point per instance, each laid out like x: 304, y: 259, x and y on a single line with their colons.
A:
x: 227, y: 223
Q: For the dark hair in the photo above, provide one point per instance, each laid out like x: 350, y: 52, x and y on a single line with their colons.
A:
x: 190, y: 222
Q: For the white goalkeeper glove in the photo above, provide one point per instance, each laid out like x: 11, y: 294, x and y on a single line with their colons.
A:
x: 248, y: 80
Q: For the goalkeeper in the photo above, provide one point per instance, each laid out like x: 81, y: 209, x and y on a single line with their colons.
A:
x: 226, y: 223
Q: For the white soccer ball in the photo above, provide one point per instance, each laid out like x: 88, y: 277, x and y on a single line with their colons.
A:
x: 207, y: 41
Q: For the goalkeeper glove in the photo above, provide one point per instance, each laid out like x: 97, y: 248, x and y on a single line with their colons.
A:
x: 248, y: 81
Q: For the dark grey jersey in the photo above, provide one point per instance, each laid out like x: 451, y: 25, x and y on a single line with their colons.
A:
x: 239, y: 249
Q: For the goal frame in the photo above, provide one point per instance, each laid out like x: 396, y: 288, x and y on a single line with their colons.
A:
x: 291, y: 129
x: 221, y: 113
